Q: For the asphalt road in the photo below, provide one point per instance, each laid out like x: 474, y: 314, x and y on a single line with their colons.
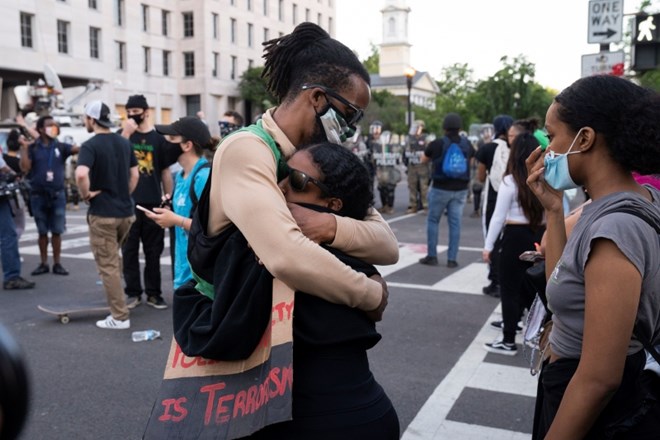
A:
x: 91, y: 383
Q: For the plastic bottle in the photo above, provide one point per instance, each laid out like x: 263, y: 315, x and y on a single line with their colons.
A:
x: 145, y: 335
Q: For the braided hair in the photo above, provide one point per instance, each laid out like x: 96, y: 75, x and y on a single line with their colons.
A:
x: 308, y: 55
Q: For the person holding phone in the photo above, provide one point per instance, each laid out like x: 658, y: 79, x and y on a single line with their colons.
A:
x: 194, y: 138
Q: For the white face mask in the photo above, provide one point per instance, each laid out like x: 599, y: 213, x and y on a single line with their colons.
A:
x: 334, y: 126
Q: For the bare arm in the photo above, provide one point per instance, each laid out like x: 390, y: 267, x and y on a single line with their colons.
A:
x: 612, y: 299
x: 168, y: 182
x: 481, y: 172
x: 133, y: 179
x: 82, y: 180
x: 26, y: 162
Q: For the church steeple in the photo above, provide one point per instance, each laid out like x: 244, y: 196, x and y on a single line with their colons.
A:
x: 395, y: 49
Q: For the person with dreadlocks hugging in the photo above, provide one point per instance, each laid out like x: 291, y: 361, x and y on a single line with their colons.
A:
x: 322, y: 91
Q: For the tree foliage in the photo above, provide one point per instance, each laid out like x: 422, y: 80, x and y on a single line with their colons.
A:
x: 388, y: 109
x: 372, y: 63
x: 253, y: 88
x: 511, y: 90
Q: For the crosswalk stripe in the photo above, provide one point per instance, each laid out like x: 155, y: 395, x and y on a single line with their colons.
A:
x: 504, y: 379
x: 466, y: 280
x: 431, y: 422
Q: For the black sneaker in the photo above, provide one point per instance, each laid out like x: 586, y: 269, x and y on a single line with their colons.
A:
x: 58, y: 269
x: 41, y: 269
x: 18, y: 284
x: 492, y: 290
x: 452, y: 264
x: 500, y: 325
x: 156, y: 302
x: 501, y: 347
x: 429, y: 261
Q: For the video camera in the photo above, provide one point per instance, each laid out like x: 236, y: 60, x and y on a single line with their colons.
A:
x: 11, y: 186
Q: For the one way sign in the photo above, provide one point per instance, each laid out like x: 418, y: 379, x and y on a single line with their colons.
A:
x: 605, y: 21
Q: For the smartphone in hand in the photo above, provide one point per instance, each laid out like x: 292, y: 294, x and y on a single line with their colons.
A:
x: 142, y: 208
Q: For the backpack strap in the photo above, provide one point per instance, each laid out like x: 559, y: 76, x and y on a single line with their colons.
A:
x: 191, y: 189
x: 258, y: 130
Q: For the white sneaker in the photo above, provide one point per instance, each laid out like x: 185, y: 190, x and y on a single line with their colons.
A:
x: 113, y: 324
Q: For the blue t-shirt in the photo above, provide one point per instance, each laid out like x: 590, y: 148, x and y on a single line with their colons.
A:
x: 182, y: 205
x: 47, y: 170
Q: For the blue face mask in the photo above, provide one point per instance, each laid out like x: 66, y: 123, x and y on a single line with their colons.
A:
x: 556, y: 172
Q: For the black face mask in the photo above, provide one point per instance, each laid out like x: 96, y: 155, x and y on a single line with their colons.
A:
x: 137, y: 118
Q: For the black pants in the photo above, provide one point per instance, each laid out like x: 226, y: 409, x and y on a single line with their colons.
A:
x: 152, y: 237
x: 633, y: 412
x: 516, y: 239
x: 493, y: 266
x: 387, y: 194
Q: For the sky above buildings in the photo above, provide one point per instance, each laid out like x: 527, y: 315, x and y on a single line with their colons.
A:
x: 552, y: 34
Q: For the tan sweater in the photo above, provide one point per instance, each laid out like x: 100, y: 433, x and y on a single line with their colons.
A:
x: 244, y: 191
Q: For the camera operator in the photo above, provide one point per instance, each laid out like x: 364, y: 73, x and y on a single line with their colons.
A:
x: 19, y: 201
x: 11, y: 260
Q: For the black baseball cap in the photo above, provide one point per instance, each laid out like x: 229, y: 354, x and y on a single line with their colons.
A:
x: 190, y: 127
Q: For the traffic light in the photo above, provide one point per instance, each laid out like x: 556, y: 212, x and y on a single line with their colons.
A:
x: 646, y: 43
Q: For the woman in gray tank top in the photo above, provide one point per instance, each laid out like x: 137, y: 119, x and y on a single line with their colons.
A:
x: 605, y: 278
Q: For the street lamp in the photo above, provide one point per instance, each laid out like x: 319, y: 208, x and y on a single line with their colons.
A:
x: 409, y: 74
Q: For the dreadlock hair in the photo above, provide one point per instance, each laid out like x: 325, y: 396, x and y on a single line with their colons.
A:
x: 308, y: 55
x: 522, y: 147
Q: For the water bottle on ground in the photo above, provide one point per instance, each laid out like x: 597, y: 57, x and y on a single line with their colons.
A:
x: 145, y: 335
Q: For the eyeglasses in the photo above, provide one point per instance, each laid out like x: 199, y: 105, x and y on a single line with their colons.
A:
x: 352, y: 119
x: 299, y: 180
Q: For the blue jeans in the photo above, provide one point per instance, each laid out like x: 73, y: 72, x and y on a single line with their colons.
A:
x: 11, y: 261
x: 453, y: 202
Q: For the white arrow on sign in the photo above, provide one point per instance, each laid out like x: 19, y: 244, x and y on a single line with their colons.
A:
x: 605, y: 21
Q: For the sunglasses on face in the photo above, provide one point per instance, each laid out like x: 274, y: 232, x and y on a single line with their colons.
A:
x: 357, y: 113
x: 299, y: 180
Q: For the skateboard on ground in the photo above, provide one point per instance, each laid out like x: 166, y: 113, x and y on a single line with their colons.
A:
x: 63, y: 311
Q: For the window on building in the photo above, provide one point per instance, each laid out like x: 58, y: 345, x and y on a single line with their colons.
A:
x: 233, y: 30
x: 121, y: 55
x: 26, y: 29
x: 146, y: 54
x: 188, y: 25
x: 266, y: 34
x: 215, y: 72
x: 145, y: 18
x: 166, y: 62
x: 250, y: 34
x: 189, y: 64
x: 165, y: 22
x: 330, y: 25
x: 93, y: 4
x: 266, y: 8
x: 249, y: 5
x: 216, y: 25
x: 120, y: 10
x: 63, y: 36
x: 193, y: 104
x: 294, y: 13
x: 94, y: 39
x: 250, y: 64
x: 234, y: 67
x: 307, y: 14
x: 232, y: 2
x: 319, y: 19
x: 280, y: 10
